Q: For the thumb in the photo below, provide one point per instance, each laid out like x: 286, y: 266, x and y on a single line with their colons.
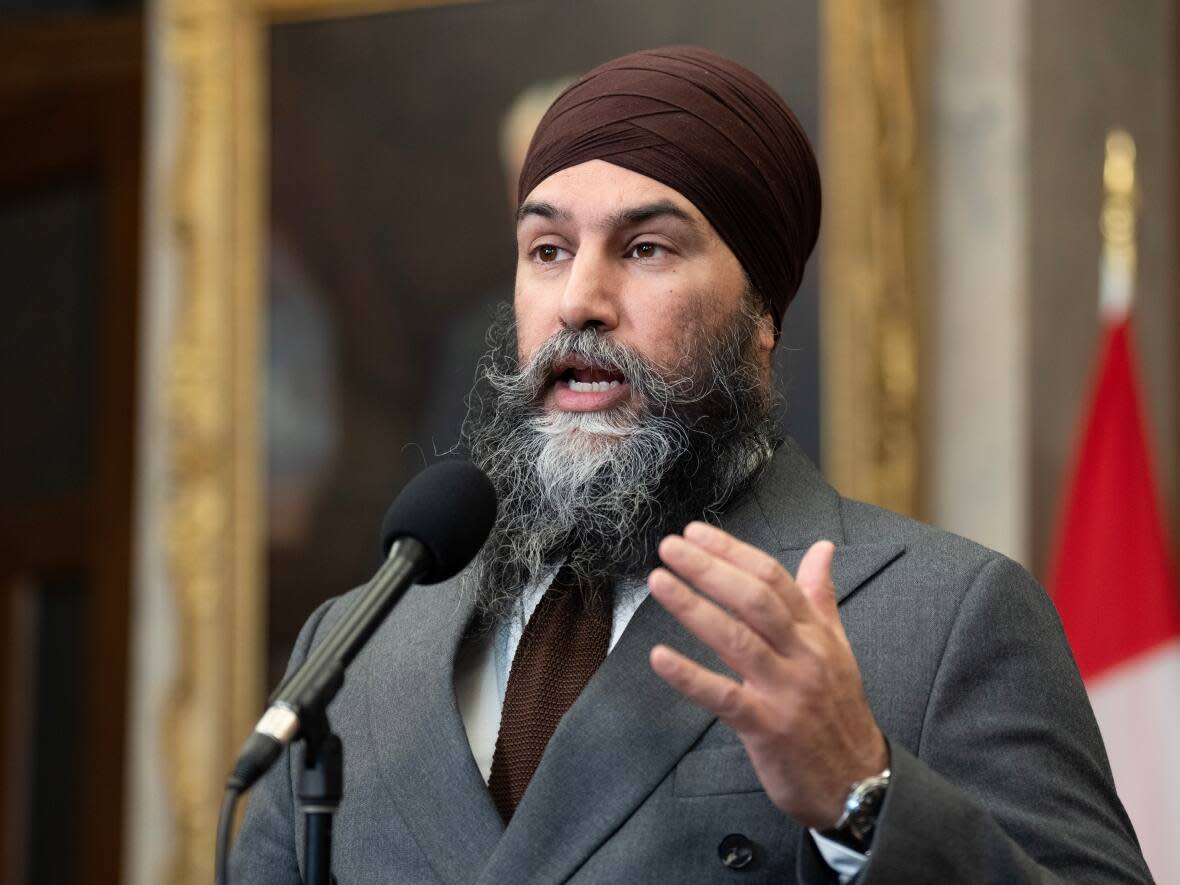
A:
x: 814, y: 578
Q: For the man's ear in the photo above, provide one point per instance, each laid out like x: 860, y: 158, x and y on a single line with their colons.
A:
x: 767, y: 339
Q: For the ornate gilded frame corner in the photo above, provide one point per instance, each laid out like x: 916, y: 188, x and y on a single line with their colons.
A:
x: 214, y: 476
x: 873, y: 265
x: 216, y: 52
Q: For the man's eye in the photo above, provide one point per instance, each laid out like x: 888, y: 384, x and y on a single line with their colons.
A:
x: 647, y: 250
x: 547, y: 253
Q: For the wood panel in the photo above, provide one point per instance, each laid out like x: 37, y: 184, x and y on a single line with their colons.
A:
x: 70, y: 108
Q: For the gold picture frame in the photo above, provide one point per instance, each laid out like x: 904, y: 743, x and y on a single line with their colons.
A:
x: 215, y: 51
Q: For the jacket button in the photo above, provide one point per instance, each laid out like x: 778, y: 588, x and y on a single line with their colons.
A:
x: 735, y: 851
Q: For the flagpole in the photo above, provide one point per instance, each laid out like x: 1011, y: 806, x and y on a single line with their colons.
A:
x: 1112, y: 575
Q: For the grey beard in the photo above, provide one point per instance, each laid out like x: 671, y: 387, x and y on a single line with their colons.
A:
x: 596, y: 491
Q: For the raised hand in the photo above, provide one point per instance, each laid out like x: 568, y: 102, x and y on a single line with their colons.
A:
x: 800, y: 707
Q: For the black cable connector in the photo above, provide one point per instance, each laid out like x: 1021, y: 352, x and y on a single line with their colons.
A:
x: 258, y: 754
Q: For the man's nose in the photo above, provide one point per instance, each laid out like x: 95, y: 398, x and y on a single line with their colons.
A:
x: 590, y: 298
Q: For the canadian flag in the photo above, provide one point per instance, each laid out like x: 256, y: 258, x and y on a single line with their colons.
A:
x: 1114, y: 584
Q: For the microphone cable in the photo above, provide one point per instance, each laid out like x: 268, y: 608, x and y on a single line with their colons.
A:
x: 225, y: 825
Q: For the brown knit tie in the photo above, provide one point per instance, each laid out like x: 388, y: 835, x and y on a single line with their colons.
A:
x: 562, y: 645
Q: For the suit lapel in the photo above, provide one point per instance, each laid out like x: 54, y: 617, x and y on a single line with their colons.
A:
x: 791, y: 508
x: 629, y: 729
x: 418, y: 735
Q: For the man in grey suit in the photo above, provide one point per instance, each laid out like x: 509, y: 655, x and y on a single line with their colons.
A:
x: 682, y: 656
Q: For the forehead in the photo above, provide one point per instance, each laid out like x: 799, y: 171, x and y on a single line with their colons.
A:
x: 597, y: 188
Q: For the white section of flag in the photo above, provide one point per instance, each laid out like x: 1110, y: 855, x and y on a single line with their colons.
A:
x: 1115, y: 287
x: 1138, y: 708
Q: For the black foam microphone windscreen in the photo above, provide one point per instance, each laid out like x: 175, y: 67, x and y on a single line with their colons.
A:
x: 449, y: 508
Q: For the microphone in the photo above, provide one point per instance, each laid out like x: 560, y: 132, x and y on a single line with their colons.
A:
x: 431, y: 531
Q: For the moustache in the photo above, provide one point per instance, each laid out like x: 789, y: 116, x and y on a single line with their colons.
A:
x: 587, y: 357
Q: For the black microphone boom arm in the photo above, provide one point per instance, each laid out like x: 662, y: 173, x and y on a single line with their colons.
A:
x: 312, y: 686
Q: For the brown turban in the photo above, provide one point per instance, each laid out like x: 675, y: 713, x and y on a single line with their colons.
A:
x: 711, y: 130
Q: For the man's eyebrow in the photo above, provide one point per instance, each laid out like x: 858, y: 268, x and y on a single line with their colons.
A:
x: 622, y: 219
x: 646, y: 212
x: 542, y: 210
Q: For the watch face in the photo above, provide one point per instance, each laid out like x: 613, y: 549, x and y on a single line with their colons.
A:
x: 862, y: 821
x: 866, y: 805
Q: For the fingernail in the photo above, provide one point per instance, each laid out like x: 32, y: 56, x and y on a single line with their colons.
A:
x: 660, y: 657
x: 672, y: 543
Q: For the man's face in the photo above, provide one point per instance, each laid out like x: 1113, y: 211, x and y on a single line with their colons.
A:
x: 630, y: 395
x: 602, y: 247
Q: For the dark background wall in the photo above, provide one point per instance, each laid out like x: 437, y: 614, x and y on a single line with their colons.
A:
x: 70, y: 137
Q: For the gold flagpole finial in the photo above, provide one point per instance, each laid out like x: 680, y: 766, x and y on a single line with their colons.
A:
x: 1119, y: 208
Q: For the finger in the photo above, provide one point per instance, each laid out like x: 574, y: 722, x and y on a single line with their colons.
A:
x: 718, y: 694
x: 757, y: 563
x: 814, y: 580
x: 749, y: 598
x: 742, y: 648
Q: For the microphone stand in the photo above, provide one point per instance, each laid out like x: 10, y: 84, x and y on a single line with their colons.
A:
x: 297, y: 709
x: 321, y: 786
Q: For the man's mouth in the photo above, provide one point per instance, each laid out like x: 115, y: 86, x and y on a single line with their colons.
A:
x: 580, y: 386
x: 585, y: 380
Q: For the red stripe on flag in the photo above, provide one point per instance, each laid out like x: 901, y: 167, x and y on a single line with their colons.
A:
x: 1111, y: 575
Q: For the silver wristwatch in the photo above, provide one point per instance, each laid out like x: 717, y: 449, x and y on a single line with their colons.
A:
x: 859, y: 817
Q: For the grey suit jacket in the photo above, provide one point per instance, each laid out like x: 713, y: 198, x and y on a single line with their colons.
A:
x: 999, y: 773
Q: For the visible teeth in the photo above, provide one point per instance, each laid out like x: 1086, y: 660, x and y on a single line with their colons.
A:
x: 587, y: 386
